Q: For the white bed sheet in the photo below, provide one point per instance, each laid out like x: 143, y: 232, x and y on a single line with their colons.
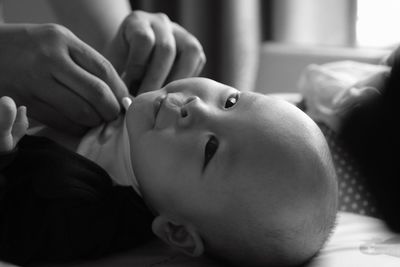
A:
x: 360, y: 241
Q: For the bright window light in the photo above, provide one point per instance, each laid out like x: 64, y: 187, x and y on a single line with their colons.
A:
x: 378, y: 22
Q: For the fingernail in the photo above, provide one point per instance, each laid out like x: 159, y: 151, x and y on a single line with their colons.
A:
x: 126, y: 102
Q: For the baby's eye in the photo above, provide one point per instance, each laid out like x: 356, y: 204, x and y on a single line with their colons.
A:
x: 211, y: 148
x: 232, y: 100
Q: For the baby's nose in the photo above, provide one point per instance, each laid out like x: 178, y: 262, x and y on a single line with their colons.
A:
x: 185, y: 108
x: 192, y: 113
x: 172, y: 110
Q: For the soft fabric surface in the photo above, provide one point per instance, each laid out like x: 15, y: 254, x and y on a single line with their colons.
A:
x: 354, y: 196
x: 332, y: 89
x: 360, y: 241
x: 357, y: 241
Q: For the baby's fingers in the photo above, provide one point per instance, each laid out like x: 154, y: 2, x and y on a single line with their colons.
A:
x: 7, y: 115
x: 21, y: 124
x: 8, y: 112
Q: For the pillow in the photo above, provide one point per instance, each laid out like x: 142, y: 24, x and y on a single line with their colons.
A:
x: 360, y: 241
x: 332, y: 89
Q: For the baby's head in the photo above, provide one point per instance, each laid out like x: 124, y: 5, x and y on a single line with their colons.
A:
x: 245, y: 177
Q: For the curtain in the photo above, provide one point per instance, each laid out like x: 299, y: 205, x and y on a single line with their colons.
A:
x: 315, y: 22
x: 229, y: 31
x: 1, y: 12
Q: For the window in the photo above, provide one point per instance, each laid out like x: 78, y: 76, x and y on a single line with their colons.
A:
x: 345, y: 23
x: 314, y: 22
x: 377, y: 23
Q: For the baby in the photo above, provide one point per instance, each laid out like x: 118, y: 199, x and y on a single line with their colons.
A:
x: 244, y: 177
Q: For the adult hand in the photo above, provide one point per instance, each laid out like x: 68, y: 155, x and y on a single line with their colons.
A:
x: 150, y: 50
x: 65, y: 83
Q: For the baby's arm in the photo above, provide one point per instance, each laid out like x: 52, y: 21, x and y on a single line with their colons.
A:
x: 13, y: 124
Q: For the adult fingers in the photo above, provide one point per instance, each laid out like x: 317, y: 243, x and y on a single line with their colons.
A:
x: 117, y: 50
x: 140, y: 38
x: 66, y: 101
x: 89, y: 87
x: 163, y: 55
x: 190, y: 59
x: 94, y: 63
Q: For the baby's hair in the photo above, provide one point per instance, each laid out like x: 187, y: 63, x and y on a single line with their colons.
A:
x: 275, y: 238
x: 281, y: 245
x: 278, y: 257
x: 330, y: 220
x: 328, y: 229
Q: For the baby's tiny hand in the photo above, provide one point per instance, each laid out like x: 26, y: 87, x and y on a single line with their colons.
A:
x: 13, y: 123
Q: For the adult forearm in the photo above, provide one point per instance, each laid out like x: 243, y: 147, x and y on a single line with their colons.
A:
x: 1, y: 12
x: 239, y: 59
x: 94, y: 21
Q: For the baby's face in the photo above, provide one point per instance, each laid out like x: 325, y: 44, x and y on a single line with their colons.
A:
x: 234, y: 165
x: 199, y: 147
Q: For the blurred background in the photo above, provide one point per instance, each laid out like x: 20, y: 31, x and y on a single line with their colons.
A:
x: 264, y: 44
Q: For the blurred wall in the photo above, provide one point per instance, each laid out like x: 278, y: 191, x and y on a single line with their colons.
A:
x: 282, y: 64
x: 314, y: 22
x: 30, y: 11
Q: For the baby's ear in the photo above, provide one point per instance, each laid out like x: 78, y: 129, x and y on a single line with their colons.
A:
x: 183, y: 237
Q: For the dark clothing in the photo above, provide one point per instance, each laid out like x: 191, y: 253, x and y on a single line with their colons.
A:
x: 371, y: 135
x: 56, y: 205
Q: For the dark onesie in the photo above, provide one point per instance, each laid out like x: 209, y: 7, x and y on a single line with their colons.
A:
x: 56, y: 205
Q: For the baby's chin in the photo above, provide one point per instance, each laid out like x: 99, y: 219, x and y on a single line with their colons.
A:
x: 140, y: 115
